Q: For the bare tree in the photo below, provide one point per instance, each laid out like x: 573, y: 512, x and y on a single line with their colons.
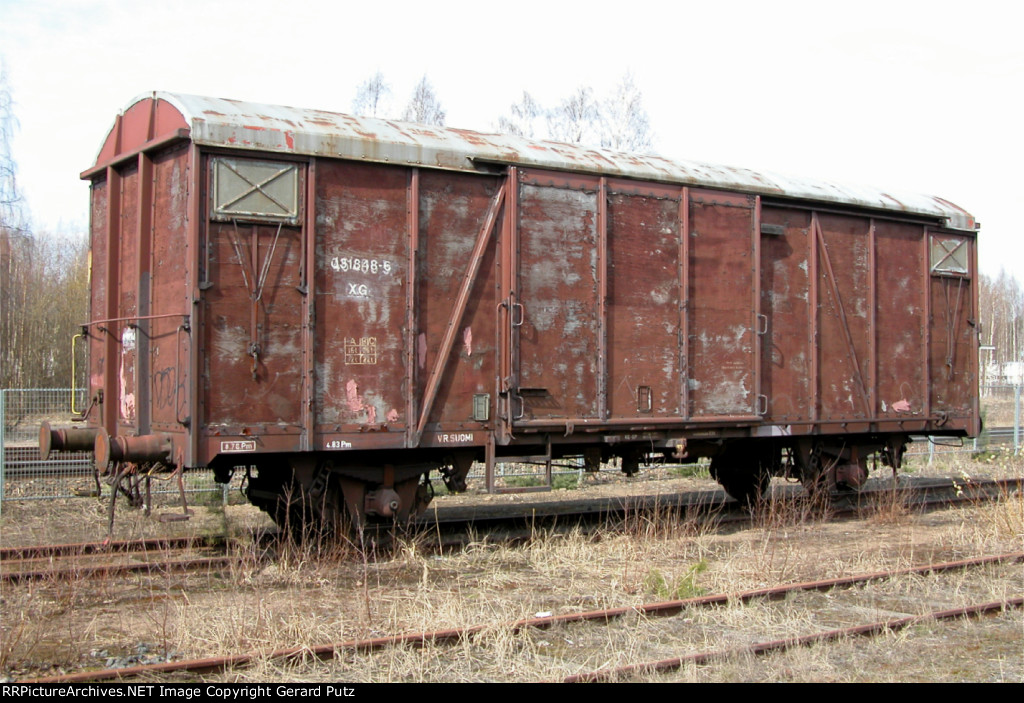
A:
x: 47, y: 298
x: 524, y: 118
x: 424, y: 107
x: 373, y: 98
x: 1001, y: 303
x: 575, y: 119
x: 12, y: 229
x: 11, y: 211
x: 618, y: 121
x: 44, y: 281
x: 623, y: 119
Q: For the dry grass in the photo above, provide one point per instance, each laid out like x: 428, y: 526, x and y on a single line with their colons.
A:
x: 311, y: 596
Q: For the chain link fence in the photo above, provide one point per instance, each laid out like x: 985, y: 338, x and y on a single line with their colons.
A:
x: 25, y: 476
x: 1002, y: 408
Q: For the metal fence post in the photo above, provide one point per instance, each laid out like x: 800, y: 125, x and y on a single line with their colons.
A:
x: 3, y: 424
x: 1016, y: 419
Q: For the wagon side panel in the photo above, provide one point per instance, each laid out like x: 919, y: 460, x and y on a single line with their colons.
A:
x: 901, y: 319
x: 362, y: 229
x: 170, y: 298
x: 98, y: 244
x: 558, y: 280
x: 787, y: 350
x: 643, y: 306
x: 721, y: 304
x: 128, y: 248
x: 844, y: 313
x: 251, y: 349
x: 453, y: 211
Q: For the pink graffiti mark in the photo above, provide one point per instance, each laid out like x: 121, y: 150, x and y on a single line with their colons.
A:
x: 467, y: 341
x: 421, y: 349
x: 393, y: 415
x: 127, y: 399
x: 355, y: 402
x: 901, y: 406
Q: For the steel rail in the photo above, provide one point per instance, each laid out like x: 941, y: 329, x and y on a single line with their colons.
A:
x: 611, y: 508
x: 869, y: 630
x: 329, y: 651
x: 14, y: 554
x: 108, y: 570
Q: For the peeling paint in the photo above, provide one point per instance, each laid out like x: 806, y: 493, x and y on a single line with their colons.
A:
x: 127, y: 399
x: 364, y: 403
x: 355, y: 403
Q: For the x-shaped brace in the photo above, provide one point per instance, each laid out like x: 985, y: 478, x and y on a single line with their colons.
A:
x: 257, y: 187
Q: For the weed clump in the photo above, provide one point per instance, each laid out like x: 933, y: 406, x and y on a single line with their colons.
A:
x: 680, y: 588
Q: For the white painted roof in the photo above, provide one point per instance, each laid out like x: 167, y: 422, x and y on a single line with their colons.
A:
x: 237, y: 124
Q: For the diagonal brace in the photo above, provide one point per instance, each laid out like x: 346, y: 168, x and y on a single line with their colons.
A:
x: 834, y: 287
x: 455, y: 319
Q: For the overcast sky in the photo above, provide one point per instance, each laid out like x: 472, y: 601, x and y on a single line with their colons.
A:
x: 911, y: 96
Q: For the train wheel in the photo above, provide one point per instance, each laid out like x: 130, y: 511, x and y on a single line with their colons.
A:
x: 747, y: 487
x: 631, y: 462
x: 454, y: 472
x: 822, y: 472
x: 742, y: 474
x: 302, y: 509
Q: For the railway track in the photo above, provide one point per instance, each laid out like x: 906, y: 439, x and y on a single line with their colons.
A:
x: 650, y: 610
x: 762, y: 648
x: 50, y: 551
x: 521, y: 520
x: 451, y: 528
x: 96, y: 560
x: 921, y: 493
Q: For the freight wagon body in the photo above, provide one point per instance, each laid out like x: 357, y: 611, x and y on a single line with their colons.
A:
x: 340, y: 305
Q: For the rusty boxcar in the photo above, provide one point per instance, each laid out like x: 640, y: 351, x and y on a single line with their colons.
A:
x: 339, y: 306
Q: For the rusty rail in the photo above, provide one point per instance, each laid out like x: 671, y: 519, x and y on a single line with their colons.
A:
x: 47, y: 551
x: 329, y: 651
x: 869, y: 630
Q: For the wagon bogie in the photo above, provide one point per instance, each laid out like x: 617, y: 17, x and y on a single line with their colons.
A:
x: 744, y: 469
x: 344, y: 305
x: 842, y: 462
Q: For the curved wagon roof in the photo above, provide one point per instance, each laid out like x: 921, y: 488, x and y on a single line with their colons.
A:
x: 159, y: 117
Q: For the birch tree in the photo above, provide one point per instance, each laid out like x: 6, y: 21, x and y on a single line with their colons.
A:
x: 373, y: 98
x: 524, y: 119
x: 12, y: 216
x: 575, y: 119
x: 624, y: 123
x: 424, y: 106
x: 43, y: 281
x: 1001, y: 303
x: 619, y: 121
